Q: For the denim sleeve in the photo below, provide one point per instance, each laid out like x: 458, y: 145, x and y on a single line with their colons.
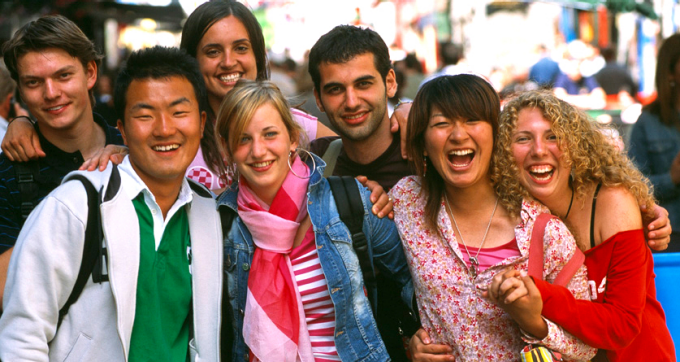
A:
x: 388, y: 254
x: 638, y: 151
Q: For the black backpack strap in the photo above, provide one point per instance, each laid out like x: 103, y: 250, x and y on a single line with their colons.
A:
x: 348, y: 201
x: 92, y: 247
x: 27, y: 179
x: 227, y: 217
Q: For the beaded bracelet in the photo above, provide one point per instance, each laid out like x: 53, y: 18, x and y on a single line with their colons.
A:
x: 17, y: 117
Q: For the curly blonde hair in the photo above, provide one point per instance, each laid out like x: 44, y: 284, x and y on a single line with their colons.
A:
x: 592, y: 157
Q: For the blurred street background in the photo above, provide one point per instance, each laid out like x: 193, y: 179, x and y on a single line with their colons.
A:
x: 501, y: 40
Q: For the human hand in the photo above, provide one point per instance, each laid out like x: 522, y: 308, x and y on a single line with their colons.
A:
x: 422, y: 350
x: 517, y: 295
x: 382, y: 202
x: 399, y: 122
x: 658, y: 227
x: 101, y: 158
x: 21, y: 142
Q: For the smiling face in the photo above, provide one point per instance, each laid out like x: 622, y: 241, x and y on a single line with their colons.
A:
x: 262, y: 150
x: 55, y: 87
x: 163, y: 128
x: 354, y: 96
x: 459, y: 149
x: 224, y: 56
x: 542, y: 168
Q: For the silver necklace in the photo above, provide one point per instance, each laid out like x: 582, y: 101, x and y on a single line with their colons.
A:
x: 474, y: 262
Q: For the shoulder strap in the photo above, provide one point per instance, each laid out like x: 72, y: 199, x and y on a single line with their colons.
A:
x: 227, y: 329
x: 592, y: 216
x: 92, y: 247
x: 536, y: 254
x: 348, y: 200
x: 27, y: 180
x: 331, y: 156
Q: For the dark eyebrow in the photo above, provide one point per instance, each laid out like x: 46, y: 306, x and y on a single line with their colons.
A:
x: 217, y: 45
x: 68, y: 68
x: 142, y: 105
x: 180, y: 100
x: 357, y: 80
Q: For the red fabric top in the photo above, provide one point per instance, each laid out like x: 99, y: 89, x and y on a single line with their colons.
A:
x: 624, y: 318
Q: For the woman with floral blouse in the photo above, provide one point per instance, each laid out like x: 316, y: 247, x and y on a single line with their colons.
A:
x: 457, y: 233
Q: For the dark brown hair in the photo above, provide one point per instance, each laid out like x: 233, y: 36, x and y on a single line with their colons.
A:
x: 464, y: 96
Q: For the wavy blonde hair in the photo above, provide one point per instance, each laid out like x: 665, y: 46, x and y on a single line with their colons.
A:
x: 592, y: 156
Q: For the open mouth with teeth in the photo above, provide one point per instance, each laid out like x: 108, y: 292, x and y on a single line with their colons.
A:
x: 165, y: 148
x: 261, y: 165
x: 542, y: 172
x: 230, y: 78
x: 461, y: 158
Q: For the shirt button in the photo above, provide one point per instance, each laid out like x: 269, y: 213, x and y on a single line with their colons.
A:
x: 246, y: 266
x: 75, y: 160
x: 241, y: 311
x: 153, y: 211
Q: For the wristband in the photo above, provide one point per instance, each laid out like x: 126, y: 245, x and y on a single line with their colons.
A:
x: 400, y: 103
x: 17, y: 117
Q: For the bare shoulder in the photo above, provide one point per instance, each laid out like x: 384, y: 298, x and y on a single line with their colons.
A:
x: 617, y: 210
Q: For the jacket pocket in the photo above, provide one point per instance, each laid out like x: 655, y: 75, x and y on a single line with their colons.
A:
x: 79, y: 349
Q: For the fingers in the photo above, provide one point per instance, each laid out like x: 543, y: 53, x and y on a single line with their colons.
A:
x: 421, y: 349
x: 37, y: 148
x: 383, y: 206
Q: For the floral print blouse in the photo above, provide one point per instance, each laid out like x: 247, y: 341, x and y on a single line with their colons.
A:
x: 451, y: 306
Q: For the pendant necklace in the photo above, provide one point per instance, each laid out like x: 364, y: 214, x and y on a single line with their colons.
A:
x: 473, y: 270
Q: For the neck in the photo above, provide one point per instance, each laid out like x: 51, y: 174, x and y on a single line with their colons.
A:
x: 473, y: 199
x: 368, y: 150
x: 166, y: 193
x: 84, y: 136
x: 562, y: 205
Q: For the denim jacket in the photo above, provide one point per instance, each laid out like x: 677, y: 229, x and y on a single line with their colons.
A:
x: 653, y: 147
x: 356, y: 334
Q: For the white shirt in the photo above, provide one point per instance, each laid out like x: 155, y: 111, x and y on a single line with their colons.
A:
x: 3, y: 127
x: 134, y: 185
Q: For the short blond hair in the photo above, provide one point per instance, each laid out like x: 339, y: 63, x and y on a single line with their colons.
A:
x: 593, y: 158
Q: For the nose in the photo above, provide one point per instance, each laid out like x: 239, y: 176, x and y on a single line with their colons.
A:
x: 458, y: 132
x: 259, y: 149
x: 164, y: 126
x: 352, y: 98
x: 52, y: 90
x: 538, y: 148
x: 228, y: 60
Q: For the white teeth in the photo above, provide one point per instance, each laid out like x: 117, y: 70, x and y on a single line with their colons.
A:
x: 541, y: 169
x: 55, y: 108
x: 166, y: 148
x: 229, y: 78
x: 262, y: 164
x: 356, y: 117
x: 460, y: 152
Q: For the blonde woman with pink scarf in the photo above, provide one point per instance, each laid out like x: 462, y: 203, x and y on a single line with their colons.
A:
x: 294, y: 284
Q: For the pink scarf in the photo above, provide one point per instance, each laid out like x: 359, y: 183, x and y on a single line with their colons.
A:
x: 274, y: 325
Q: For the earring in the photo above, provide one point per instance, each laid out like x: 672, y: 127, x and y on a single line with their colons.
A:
x: 313, y: 163
x: 424, y: 165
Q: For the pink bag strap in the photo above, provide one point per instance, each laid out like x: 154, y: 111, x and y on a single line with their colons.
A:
x: 536, y: 254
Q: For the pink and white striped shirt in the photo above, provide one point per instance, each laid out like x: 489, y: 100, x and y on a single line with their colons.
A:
x: 316, y: 300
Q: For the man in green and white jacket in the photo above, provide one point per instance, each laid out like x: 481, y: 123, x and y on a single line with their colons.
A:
x: 162, y: 236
